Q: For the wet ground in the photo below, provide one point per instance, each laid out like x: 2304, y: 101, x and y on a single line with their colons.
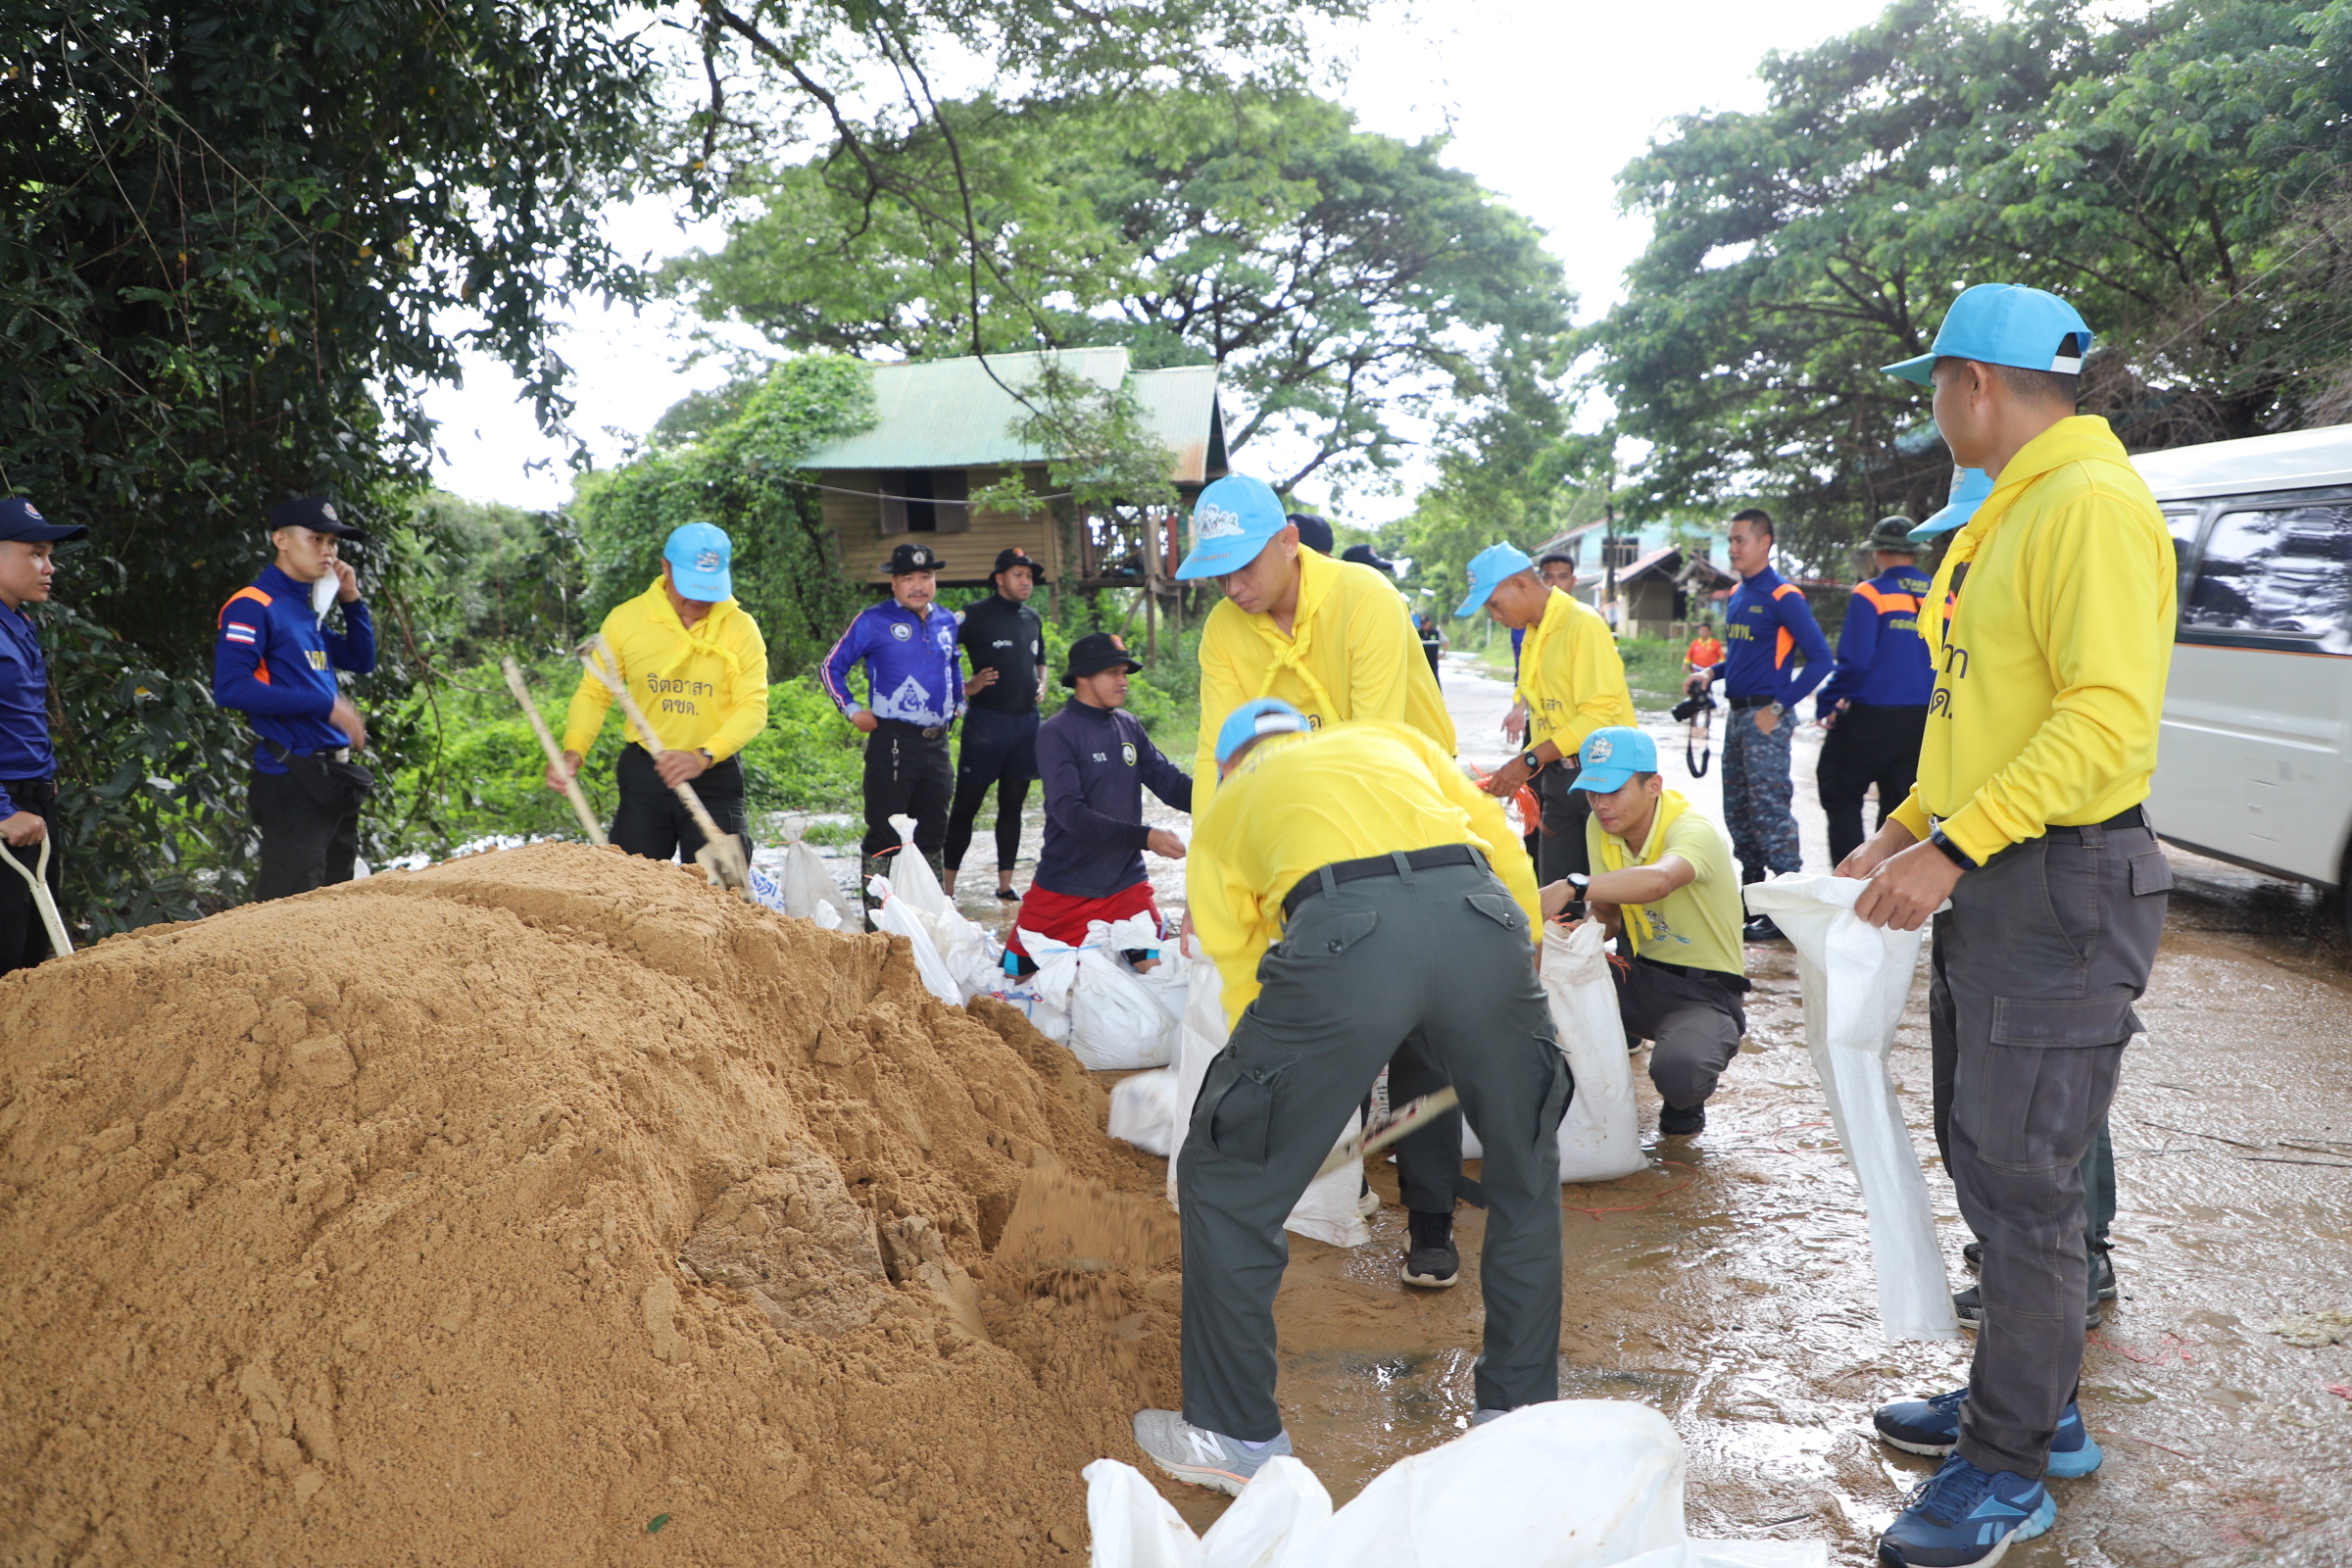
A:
x: 1730, y: 1286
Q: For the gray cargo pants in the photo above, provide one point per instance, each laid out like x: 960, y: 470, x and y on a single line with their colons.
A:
x: 2035, y: 968
x: 1443, y: 954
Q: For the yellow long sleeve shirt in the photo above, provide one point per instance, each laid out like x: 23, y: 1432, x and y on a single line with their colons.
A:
x: 2050, y: 625
x: 1571, y: 677
x: 1300, y: 801
x: 704, y: 689
x: 1353, y: 655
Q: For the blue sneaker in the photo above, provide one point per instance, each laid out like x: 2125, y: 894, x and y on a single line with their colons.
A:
x: 1964, y: 1517
x: 1932, y: 1427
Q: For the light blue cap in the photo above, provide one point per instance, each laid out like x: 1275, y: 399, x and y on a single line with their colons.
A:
x: 697, y: 554
x: 1974, y: 485
x: 2005, y: 324
x: 1231, y: 523
x: 1487, y: 569
x: 1613, y: 757
x: 1260, y: 716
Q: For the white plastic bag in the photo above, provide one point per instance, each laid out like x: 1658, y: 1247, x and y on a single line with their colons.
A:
x: 807, y: 887
x: 1574, y: 1484
x: 1856, y: 978
x: 1143, y: 1111
x: 893, y: 915
x: 972, y: 957
x: 1601, y: 1137
x: 1089, y: 1000
x: 1326, y: 1211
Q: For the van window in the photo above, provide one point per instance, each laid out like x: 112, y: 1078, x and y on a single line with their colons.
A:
x: 2278, y: 574
x: 2182, y: 524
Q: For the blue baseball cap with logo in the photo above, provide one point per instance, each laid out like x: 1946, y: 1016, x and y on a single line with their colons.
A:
x: 2005, y: 324
x: 699, y: 554
x: 1231, y: 522
x: 1613, y: 757
x: 1968, y: 494
x: 1260, y: 716
x: 1487, y: 569
x: 20, y: 520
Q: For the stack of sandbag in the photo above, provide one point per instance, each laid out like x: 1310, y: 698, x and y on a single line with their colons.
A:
x: 970, y: 958
x: 1089, y: 999
x: 1601, y: 1137
x: 1575, y: 1484
x: 1856, y: 978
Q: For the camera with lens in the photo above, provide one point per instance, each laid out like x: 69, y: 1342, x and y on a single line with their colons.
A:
x: 1690, y: 707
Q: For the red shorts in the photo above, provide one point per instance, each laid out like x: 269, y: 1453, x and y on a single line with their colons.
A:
x: 1064, y: 919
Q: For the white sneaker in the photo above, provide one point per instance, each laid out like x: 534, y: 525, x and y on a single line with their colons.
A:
x: 1199, y: 1455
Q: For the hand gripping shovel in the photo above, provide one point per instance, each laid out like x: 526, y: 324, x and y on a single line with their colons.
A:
x: 721, y: 853
x: 555, y: 752
x: 1410, y: 1117
x: 38, y: 880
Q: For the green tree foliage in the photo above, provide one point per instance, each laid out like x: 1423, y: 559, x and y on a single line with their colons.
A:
x: 493, y: 577
x: 1345, y: 281
x: 740, y: 473
x: 2180, y: 173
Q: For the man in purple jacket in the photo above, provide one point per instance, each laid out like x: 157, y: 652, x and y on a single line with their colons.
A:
x: 1095, y: 761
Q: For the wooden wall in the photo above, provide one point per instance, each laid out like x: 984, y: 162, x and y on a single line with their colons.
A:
x: 855, y: 514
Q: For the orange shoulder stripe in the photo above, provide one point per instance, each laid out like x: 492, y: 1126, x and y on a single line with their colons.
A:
x: 1883, y: 602
x: 254, y: 594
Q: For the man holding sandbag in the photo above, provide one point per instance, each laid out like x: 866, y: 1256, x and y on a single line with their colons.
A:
x: 1356, y: 892
x: 2050, y: 626
x: 1665, y: 883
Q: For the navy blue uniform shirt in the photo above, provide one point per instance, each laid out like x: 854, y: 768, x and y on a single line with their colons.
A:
x: 275, y: 664
x: 1095, y: 762
x: 25, y: 751
x: 1766, y: 622
x: 910, y: 668
x: 1881, y: 659
x: 1010, y: 639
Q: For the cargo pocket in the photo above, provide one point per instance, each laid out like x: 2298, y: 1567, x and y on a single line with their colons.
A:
x: 1558, y: 1097
x: 1327, y: 936
x: 2096, y: 1021
x: 1236, y: 1108
x: 2152, y: 872
x: 1499, y: 908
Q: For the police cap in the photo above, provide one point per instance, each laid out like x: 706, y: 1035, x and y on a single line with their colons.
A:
x: 20, y: 520
x: 315, y: 512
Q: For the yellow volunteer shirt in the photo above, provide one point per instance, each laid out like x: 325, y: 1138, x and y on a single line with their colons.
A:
x: 702, y: 690
x: 2050, y: 625
x: 1353, y: 656
x: 1302, y: 802
x: 1571, y: 677
x: 1698, y: 924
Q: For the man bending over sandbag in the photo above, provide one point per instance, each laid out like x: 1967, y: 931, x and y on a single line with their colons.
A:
x: 1355, y: 891
x: 1664, y: 882
x: 1095, y: 761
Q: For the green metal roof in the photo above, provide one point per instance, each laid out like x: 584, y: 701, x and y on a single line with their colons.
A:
x: 953, y: 414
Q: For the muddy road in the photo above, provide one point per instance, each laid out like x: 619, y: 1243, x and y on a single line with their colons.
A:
x: 1730, y: 1286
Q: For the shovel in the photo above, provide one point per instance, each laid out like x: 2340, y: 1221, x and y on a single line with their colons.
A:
x: 721, y: 853
x: 555, y: 752
x: 1410, y: 1117
x: 38, y: 880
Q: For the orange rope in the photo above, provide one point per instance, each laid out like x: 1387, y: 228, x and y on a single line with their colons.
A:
x: 1629, y: 1208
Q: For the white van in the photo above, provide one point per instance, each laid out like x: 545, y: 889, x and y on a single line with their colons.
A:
x: 2255, y: 764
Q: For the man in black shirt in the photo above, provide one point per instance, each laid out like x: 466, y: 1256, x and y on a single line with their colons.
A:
x: 1007, y: 644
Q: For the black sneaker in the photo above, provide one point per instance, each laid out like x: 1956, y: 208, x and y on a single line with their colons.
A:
x: 2102, y: 1269
x: 1761, y: 929
x: 1674, y: 1123
x: 1968, y: 1304
x: 1430, y: 1260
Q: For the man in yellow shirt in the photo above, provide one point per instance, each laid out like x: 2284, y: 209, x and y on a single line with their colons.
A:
x: 699, y: 670
x: 1571, y: 683
x: 1666, y: 886
x: 1355, y: 891
x: 2050, y: 627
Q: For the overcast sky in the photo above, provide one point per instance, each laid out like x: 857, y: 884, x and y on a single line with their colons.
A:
x: 1544, y: 101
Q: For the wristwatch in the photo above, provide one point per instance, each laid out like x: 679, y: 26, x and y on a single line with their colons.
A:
x: 1531, y: 762
x: 708, y: 760
x: 1951, y: 852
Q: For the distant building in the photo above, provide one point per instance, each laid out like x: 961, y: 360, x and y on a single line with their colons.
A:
x: 944, y: 430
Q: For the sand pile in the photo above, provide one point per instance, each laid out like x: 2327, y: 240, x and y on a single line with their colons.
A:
x: 504, y: 1211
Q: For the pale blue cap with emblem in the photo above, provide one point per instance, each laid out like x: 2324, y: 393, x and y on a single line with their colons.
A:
x: 1487, y: 569
x: 2004, y: 324
x: 1260, y: 716
x: 1969, y: 492
x: 1231, y: 522
x: 699, y: 554
x: 1610, y: 757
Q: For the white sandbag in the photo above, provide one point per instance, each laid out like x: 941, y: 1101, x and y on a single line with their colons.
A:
x: 1601, y: 1136
x: 1575, y: 1484
x: 1856, y: 978
x: 893, y: 915
x: 807, y: 889
x: 1089, y: 1000
x: 1326, y: 1211
x: 972, y: 957
x: 1143, y: 1111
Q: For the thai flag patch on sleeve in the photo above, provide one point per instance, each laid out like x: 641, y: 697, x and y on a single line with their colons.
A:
x: 238, y: 632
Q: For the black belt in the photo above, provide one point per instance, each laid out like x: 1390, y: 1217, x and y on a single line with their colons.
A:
x: 1729, y: 982
x: 1739, y: 703
x: 1426, y: 859
x: 30, y: 791
x: 2129, y: 816
x: 929, y: 732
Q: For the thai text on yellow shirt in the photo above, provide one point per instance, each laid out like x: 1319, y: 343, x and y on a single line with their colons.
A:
x: 702, y: 690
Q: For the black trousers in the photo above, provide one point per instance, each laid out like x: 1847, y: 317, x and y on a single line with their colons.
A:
x: 651, y: 820
x: 1868, y: 745
x: 1560, y: 842
x: 24, y: 940
x: 303, y: 844
x: 999, y: 748
x: 907, y: 775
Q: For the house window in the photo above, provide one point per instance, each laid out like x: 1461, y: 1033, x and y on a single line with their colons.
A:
x: 925, y: 500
